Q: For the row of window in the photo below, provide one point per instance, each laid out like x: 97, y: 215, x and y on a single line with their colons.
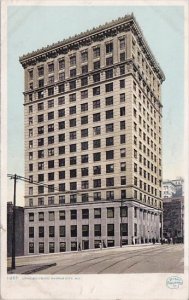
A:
x: 97, y: 170
x: 50, y: 188
x: 84, y: 81
x: 84, y: 146
x: 72, y: 58
x: 84, y: 214
x: 72, y: 86
x: 109, y: 114
x: 74, y: 246
x: 96, y: 196
x: 73, y: 230
x: 72, y: 98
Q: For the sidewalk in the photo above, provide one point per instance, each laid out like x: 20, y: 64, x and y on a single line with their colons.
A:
x: 29, y: 269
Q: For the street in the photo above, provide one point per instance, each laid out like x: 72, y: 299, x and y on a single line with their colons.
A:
x: 130, y: 259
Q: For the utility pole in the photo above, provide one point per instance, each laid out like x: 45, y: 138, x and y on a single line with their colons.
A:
x: 14, y: 225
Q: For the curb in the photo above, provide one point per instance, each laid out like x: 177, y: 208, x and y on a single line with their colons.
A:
x: 39, y: 268
x: 36, y: 269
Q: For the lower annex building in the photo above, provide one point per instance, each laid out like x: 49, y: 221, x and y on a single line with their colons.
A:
x: 93, y: 141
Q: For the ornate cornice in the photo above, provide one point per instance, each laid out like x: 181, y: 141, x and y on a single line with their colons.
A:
x: 145, y: 47
x: 74, y: 43
x: 110, y: 29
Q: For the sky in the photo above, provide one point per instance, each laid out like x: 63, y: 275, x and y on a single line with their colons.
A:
x: 33, y: 27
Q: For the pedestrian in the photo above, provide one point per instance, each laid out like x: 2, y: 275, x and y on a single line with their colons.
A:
x: 79, y: 247
x: 153, y: 240
x: 100, y: 245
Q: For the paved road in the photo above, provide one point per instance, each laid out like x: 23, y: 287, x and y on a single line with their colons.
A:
x: 129, y: 259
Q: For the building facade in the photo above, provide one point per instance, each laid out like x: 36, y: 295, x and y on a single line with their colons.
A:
x: 173, y: 218
x: 173, y: 188
x: 93, y: 141
x: 19, y: 229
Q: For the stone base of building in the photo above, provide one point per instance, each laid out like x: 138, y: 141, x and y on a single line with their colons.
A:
x: 77, y: 227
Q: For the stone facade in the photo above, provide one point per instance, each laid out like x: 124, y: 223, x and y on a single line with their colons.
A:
x: 93, y: 137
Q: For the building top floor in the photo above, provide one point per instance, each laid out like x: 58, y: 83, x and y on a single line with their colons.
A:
x: 97, y: 35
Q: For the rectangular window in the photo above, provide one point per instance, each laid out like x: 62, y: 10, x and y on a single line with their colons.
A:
x: 110, y: 229
x: 62, y: 246
x: 109, y: 101
x: 61, y: 64
x: 73, y: 214
x: 109, y: 61
x: 96, y: 183
x: 31, y: 232
x: 51, y: 247
x: 73, y: 60
x: 84, y: 81
x: 97, y: 196
x: 31, y: 217
x: 41, y: 231
x: 84, y: 184
x: 61, y: 100
x: 62, y: 231
x: 124, y: 211
x: 96, y: 117
x: 51, y: 231
x: 73, y: 73
x: 110, y: 154
x: 96, y: 130
x: 97, y: 229
x: 73, y: 198
x: 84, y: 56
x: 96, y: 52
x: 109, y: 114
x: 109, y: 73
x: 73, y: 229
x: 110, y: 168
x: 61, y: 76
x: 110, y: 195
x: 97, y: 156
x: 41, y: 247
x: 85, y: 197
x: 84, y: 69
x: 97, y: 213
x: 96, y: 104
x: 31, y: 247
x: 96, y: 77
x: 124, y: 229
x: 109, y: 47
x: 84, y: 94
x: 62, y: 199
x: 96, y: 65
x: 84, y: 107
x: 96, y: 91
x: 72, y: 84
x: 109, y: 127
x: 122, y: 83
x: 109, y: 87
x: 84, y: 146
x: 85, y: 214
x: 110, y: 181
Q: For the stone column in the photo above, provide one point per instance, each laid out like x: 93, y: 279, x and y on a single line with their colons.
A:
x: 130, y: 223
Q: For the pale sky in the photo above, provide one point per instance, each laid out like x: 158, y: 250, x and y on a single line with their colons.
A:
x: 33, y: 27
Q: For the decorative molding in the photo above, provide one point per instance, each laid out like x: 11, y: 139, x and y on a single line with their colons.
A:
x: 98, y: 34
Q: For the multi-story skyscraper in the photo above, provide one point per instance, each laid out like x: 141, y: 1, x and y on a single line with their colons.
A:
x: 93, y: 141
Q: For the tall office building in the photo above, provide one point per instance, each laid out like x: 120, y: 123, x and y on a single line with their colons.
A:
x: 93, y: 141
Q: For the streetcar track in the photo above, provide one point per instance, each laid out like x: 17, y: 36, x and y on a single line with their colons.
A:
x: 103, y: 260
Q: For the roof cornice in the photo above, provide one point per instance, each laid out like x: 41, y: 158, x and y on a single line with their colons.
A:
x: 123, y: 24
